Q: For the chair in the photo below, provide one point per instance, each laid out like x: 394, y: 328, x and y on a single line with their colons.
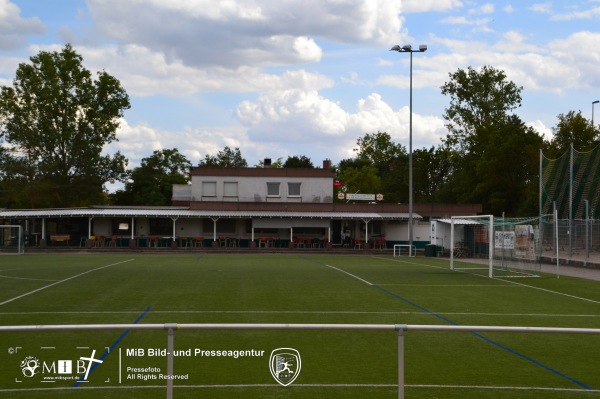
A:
x: 198, y: 242
x: 347, y: 241
x: 112, y: 242
x: 358, y: 244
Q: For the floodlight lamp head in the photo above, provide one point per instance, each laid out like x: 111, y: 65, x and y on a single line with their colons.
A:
x: 407, y: 47
x: 396, y: 48
x: 596, y: 102
x: 423, y: 47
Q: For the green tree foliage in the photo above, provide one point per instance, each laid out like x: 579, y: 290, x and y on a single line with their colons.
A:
x: 227, y: 158
x: 298, y: 161
x: 359, y: 177
x: 380, y: 166
x: 55, y: 120
x: 572, y: 128
x: 477, y: 98
x: 431, y: 171
x: 508, y: 173
x: 152, y: 182
x: 491, y: 153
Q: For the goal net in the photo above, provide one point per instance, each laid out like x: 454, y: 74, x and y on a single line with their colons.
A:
x: 11, y: 240
x: 501, y: 247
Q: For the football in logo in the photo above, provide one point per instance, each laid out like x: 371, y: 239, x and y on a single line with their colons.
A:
x: 285, y: 365
x: 29, y: 366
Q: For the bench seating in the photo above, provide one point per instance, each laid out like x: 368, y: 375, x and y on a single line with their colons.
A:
x: 60, y: 238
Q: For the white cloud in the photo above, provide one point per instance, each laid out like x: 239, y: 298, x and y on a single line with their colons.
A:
x: 509, y: 9
x: 541, y: 128
x: 311, y: 122
x: 560, y: 65
x: 410, y: 6
x: 229, y: 33
x: 14, y: 29
x: 593, y: 13
x: 542, y: 8
x: 140, y: 140
x: 143, y: 73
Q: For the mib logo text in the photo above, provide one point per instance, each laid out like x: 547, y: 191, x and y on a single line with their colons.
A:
x: 34, y: 369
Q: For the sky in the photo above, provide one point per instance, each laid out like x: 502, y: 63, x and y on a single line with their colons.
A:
x: 278, y: 78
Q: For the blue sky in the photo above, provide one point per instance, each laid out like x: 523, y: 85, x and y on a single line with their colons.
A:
x: 308, y: 77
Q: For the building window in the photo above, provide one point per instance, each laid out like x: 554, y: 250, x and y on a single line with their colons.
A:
x: 273, y: 190
x: 294, y: 189
x: 230, y: 189
x: 209, y: 189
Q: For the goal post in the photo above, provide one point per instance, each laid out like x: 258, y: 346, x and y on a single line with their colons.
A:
x: 11, y: 240
x: 470, y: 242
x: 504, y: 247
x: 405, y: 250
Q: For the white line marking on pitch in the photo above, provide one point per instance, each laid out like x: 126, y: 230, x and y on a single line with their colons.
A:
x: 62, y: 281
x: 508, y: 281
x: 25, y: 278
x: 349, y: 312
x: 349, y: 274
x: 229, y: 386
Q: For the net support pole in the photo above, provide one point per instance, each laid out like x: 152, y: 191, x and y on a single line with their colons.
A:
x: 491, y: 247
x: 556, y: 246
x: 170, y: 348
x: 587, y: 232
x: 401, y: 329
x: 451, y: 244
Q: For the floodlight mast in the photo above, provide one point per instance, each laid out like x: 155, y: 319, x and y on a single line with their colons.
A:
x: 407, y: 48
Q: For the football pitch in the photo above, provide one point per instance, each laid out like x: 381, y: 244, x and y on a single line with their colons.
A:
x: 183, y: 289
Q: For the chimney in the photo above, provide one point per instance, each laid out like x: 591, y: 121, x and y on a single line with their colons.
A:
x: 327, y: 164
x: 267, y: 163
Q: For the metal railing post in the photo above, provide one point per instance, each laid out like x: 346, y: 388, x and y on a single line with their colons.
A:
x: 401, y: 328
x: 170, y: 348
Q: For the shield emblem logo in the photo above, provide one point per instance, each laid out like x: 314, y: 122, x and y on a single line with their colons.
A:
x: 285, y: 365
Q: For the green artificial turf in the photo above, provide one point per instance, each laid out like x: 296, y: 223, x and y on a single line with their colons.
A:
x: 292, y: 289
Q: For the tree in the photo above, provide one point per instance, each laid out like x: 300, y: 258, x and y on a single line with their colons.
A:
x: 298, y: 162
x: 363, y: 179
x: 492, y: 155
x: 227, y: 158
x: 508, y: 175
x: 56, y: 120
x: 477, y: 98
x: 431, y: 172
x: 573, y: 128
x: 152, y: 182
x: 390, y: 161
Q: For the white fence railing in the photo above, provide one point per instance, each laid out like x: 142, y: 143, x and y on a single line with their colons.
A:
x: 400, y: 329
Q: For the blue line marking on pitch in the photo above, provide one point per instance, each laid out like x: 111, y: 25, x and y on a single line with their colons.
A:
x: 112, y: 347
x: 488, y: 340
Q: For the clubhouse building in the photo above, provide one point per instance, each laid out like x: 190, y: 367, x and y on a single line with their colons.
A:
x: 241, y: 208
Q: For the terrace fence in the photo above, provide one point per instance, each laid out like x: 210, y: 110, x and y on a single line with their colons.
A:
x: 399, y: 329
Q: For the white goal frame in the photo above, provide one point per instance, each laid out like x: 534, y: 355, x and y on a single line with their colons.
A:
x: 19, y: 248
x: 455, y: 220
x: 412, y: 250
